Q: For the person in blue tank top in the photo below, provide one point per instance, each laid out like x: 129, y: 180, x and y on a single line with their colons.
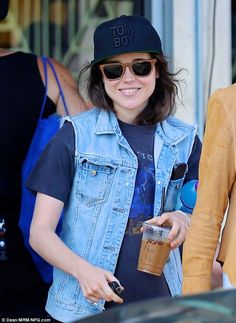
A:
x: 107, y: 168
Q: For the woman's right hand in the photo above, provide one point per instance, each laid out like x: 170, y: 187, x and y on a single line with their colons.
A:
x: 94, y: 283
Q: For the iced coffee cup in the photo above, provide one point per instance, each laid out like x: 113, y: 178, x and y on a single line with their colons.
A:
x: 155, y: 249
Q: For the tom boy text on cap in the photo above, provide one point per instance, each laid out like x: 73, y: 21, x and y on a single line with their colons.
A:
x: 125, y: 34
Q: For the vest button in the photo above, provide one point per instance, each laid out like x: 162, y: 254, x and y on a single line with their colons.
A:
x: 93, y: 172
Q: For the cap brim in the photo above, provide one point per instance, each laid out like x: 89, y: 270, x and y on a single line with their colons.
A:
x: 99, y: 60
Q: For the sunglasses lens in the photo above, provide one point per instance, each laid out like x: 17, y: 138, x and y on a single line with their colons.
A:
x: 142, y: 68
x: 113, y: 71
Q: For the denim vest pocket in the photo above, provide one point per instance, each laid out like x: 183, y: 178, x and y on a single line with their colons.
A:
x: 95, y: 178
x: 173, y: 189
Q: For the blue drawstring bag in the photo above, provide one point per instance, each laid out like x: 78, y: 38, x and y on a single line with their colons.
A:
x: 45, y: 129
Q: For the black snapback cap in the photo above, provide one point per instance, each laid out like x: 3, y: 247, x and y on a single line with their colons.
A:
x: 125, y: 34
x: 4, y: 4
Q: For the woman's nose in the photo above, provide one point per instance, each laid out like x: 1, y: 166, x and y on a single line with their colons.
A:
x: 128, y: 75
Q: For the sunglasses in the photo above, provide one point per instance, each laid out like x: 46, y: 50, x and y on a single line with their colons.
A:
x: 115, y: 71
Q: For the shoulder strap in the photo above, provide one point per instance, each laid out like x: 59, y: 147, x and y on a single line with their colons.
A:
x: 46, y: 86
x: 46, y: 61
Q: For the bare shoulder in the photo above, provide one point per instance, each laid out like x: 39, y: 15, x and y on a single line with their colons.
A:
x: 62, y: 71
x: 60, y: 68
x: 73, y: 100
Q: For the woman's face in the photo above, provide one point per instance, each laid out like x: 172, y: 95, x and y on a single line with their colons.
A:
x: 130, y: 93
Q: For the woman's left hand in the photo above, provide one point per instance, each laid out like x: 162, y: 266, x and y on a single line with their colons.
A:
x: 179, y: 223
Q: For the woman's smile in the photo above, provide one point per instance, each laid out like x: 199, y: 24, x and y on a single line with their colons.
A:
x: 129, y: 91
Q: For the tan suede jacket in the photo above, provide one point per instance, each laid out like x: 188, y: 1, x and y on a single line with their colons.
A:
x: 216, y: 190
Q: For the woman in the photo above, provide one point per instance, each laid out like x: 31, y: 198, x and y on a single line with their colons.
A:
x: 108, y: 168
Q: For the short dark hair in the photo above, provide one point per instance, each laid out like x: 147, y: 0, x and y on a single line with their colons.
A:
x: 161, y: 103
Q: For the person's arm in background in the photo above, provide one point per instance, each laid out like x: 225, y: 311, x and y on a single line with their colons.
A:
x: 73, y: 98
x: 216, y: 177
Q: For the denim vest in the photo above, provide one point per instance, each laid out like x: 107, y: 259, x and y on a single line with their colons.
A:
x: 98, y: 207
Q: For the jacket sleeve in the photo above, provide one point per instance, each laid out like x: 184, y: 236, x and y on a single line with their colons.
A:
x: 216, y: 177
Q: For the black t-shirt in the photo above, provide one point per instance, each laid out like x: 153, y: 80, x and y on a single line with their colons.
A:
x: 22, y: 92
x: 54, y: 175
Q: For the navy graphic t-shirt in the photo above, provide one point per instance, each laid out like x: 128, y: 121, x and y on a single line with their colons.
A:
x: 139, y: 285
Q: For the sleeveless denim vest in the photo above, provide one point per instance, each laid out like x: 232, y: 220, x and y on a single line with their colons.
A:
x: 97, y: 211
